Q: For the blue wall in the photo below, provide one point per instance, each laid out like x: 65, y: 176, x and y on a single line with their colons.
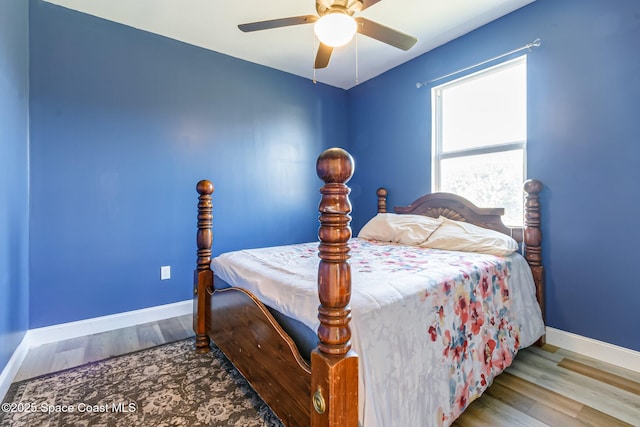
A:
x: 123, y: 125
x: 14, y: 175
x: 583, y: 126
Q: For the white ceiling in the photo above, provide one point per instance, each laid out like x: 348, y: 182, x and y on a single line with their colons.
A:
x: 212, y: 24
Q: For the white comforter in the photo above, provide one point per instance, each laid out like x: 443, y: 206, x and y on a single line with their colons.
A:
x: 432, y: 327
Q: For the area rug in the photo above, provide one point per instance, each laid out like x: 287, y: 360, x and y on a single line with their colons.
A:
x: 169, y: 385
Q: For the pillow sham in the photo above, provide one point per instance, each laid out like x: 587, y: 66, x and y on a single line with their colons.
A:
x: 405, y: 229
x: 461, y: 236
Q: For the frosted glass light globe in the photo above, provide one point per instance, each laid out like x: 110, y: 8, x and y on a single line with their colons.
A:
x: 335, y: 29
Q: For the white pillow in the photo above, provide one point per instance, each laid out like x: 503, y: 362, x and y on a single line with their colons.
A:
x: 404, y: 229
x: 462, y: 236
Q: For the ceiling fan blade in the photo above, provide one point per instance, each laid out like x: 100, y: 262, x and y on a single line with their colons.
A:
x: 385, y: 34
x: 323, y: 56
x: 368, y: 3
x: 277, y: 23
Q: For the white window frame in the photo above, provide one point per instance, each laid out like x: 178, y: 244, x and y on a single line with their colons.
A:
x: 436, y: 147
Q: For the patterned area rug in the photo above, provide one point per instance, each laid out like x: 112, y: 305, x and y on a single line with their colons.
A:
x: 169, y: 385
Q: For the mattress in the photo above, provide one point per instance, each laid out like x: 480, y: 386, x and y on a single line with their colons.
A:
x: 432, y: 327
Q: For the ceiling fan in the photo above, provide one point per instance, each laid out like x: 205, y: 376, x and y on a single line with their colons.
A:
x: 335, y: 26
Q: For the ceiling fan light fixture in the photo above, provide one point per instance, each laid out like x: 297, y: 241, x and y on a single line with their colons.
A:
x: 335, y: 29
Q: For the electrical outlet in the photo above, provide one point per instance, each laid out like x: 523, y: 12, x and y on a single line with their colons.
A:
x: 165, y: 272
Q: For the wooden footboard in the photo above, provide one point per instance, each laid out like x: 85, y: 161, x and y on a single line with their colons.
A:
x: 245, y: 331
x: 242, y: 327
x: 325, y: 393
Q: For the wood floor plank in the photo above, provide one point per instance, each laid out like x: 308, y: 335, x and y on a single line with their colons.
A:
x: 473, y: 416
x: 532, y: 407
x: 602, y: 376
x: 594, y: 418
x: 524, y: 369
x: 603, y: 366
x: 149, y: 335
x: 173, y: 330
x: 548, y: 398
x: 590, y: 386
x: 511, y: 397
x: 67, y: 359
x: 498, y: 413
x: 603, y: 397
x: 598, y: 397
x: 552, y: 417
x: 37, y: 362
x: 123, y: 341
x: 476, y: 415
x: 71, y: 343
x: 542, y: 352
x: 97, y: 347
x: 548, y: 348
x: 187, y: 322
x: 546, y: 406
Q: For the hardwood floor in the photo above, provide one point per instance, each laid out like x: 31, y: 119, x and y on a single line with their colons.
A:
x: 79, y: 351
x: 544, y: 387
x: 554, y: 387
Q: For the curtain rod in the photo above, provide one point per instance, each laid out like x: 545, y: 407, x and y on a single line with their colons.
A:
x: 530, y: 46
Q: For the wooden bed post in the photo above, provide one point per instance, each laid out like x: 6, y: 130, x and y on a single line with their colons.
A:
x: 533, y: 240
x: 334, y: 366
x: 382, y: 200
x: 203, y: 276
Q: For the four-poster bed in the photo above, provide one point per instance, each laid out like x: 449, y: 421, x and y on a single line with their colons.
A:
x: 271, y: 349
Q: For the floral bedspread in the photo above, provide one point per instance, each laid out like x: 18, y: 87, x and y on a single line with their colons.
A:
x: 434, y: 326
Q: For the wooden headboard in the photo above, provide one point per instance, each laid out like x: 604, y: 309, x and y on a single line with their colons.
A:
x: 458, y: 208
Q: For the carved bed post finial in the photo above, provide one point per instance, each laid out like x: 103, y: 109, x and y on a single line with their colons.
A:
x: 533, y: 238
x: 203, y: 276
x: 334, y: 365
x: 382, y: 200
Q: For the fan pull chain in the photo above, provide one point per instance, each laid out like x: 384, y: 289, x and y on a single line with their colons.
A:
x: 356, y: 37
x: 313, y: 55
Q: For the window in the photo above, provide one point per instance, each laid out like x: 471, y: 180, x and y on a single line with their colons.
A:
x: 479, y: 137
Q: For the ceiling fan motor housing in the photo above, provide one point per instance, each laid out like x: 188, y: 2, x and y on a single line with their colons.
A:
x: 348, y: 7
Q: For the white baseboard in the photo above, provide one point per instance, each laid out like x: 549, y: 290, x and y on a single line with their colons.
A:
x: 610, y: 353
x: 65, y: 331
x: 12, y: 367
